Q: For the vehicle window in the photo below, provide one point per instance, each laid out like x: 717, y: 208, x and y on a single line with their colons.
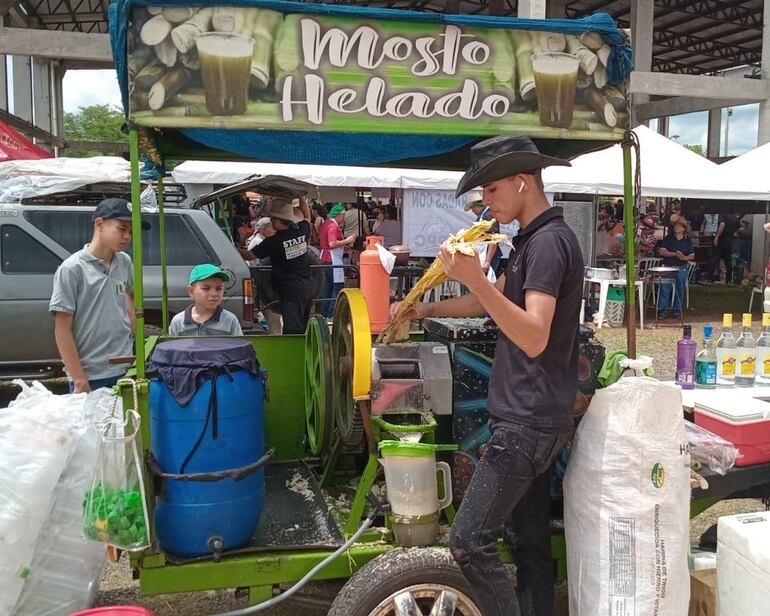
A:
x: 184, y: 244
x: 20, y: 253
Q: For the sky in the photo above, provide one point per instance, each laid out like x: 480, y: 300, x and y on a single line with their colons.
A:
x: 100, y: 87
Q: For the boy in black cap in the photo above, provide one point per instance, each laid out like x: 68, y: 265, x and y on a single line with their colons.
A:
x: 92, y: 301
x: 536, y: 305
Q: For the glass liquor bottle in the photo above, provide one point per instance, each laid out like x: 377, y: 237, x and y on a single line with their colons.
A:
x: 726, y: 354
x: 747, y: 355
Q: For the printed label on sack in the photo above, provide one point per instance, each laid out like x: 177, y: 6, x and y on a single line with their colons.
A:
x: 726, y: 363
x: 748, y: 363
x: 622, y: 561
x: 658, y: 475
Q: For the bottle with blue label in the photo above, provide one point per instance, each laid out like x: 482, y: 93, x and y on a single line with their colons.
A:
x: 706, y: 362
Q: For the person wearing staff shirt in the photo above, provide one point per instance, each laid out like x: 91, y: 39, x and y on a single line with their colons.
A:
x: 535, y: 304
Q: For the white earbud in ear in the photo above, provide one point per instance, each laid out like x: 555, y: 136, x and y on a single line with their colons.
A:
x: 521, y: 187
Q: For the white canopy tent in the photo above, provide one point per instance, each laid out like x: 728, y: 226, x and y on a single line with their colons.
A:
x: 750, y: 168
x: 668, y: 170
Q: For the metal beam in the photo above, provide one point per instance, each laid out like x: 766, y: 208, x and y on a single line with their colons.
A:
x: 668, y: 84
x: 731, y: 12
x: 29, y: 129
x: 684, y: 104
x: 55, y: 44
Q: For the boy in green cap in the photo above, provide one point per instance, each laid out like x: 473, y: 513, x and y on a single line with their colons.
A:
x: 206, y: 317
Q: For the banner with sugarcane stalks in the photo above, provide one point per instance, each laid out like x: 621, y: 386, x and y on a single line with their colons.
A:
x: 229, y: 67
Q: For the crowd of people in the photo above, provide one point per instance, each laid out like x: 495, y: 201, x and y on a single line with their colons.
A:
x: 280, y: 242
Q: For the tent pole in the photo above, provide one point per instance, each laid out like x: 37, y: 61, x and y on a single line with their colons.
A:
x: 136, y: 225
x: 163, y: 267
x: 630, y: 227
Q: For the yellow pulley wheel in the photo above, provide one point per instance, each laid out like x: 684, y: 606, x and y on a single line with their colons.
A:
x: 351, y: 362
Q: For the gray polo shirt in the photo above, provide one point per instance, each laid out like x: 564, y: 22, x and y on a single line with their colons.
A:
x: 95, y: 296
x: 222, y: 323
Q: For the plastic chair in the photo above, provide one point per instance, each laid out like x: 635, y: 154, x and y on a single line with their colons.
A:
x: 760, y: 288
x: 691, y: 267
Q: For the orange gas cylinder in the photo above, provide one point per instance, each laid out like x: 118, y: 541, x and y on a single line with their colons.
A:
x: 375, y: 285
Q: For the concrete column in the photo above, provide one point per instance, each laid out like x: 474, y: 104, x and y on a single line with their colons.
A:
x: 642, y: 20
x: 41, y: 88
x: 663, y: 126
x: 22, y: 87
x: 531, y: 9
x: 3, y: 84
x: 759, y: 237
x: 57, y: 101
x: 714, y: 140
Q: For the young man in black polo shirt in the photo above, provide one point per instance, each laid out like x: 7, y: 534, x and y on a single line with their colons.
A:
x: 288, y: 253
x: 536, y: 305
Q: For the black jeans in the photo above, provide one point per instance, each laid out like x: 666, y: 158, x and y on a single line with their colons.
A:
x: 722, y: 252
x: 509, y: 494
x: 295, y: 313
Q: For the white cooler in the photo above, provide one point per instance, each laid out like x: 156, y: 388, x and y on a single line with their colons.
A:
x: 743, y: 565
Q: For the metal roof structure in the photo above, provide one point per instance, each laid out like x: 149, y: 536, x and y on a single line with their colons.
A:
x: 690, y: 36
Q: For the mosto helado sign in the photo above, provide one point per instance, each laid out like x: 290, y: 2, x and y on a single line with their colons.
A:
x: 251, y: 68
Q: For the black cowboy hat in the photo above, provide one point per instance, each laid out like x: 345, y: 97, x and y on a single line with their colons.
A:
x: 501, y: 157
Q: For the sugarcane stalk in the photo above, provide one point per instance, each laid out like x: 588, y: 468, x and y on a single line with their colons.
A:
x: 603, y: 53
x: 181, y: 111
x: 184, y: 34
x: 168, y: 85
x: 188, y: 98
x: 592, y: 40
x: 138, y: 59
x: 583, y: 81
x: 600, y: 76
x: 166, y: 52
x: 265, y: 26
x: 154, y: 10
x: 286, y: 54
x: 178, y: 14
x: 549, y: 41
x: 585, y: 56
x: 139, y: 101
x: 616, y: 97
x: 148, y: 76
x: 601, y: 106
x: 190, y: 60
x: 503, y: 62
x: 228, y: 19
x: 522, y: 49
x: 155, y: 30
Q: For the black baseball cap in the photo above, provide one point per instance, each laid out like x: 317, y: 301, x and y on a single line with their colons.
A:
x: 116, y: 209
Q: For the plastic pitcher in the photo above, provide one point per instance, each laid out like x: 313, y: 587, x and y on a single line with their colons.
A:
x: 410, y: 477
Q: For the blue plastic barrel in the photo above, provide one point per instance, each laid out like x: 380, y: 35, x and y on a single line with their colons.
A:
x: 193, y: 432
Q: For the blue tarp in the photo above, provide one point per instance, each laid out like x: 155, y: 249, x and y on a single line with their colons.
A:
x: 351, y: 148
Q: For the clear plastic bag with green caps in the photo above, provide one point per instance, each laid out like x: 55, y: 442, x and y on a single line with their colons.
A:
x: 115, y: 505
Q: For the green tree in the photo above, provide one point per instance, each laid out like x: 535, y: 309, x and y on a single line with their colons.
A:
x: 95, y: 123
x: 695, y: 147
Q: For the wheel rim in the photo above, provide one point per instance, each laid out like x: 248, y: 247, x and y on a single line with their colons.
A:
x: 351, y: 362
x: 319, y: 391
x: 426, y: 600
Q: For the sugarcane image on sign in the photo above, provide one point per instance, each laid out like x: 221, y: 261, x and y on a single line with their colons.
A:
x: 231, y: 67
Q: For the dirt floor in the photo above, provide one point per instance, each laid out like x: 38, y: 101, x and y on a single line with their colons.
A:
x: 707, y: 303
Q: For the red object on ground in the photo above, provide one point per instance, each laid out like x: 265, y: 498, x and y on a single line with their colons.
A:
x: 375, y: 285
x: 15, y: 147
x: 125, y: 610
x: 751, y: 438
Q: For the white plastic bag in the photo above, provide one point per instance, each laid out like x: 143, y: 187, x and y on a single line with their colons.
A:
x: 66, y: 567
x: 627, y: 504
x: 115, y: 505
x: 38, y: 433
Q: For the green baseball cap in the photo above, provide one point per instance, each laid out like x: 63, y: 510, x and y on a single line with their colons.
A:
x: 338, y: 208
x: 207, y: 270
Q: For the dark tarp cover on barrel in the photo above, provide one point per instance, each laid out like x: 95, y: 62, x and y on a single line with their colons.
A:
x: 183, y: 365
x: 345, y: 148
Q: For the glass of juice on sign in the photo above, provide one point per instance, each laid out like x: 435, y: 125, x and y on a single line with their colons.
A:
x: 555, y: 84
x: 225, y: 66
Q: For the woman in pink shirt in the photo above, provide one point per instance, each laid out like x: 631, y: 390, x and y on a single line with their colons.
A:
x: 333, y: 244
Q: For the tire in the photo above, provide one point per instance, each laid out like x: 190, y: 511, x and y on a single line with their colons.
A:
x: 423, y: 573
